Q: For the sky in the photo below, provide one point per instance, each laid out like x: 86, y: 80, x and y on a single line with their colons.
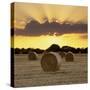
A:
x: 41, y: 25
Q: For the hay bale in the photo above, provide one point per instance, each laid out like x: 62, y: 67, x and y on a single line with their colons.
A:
x: 32, y: 56
x: 50, y: 62
x: 62, y: 54
x: 69, y: 57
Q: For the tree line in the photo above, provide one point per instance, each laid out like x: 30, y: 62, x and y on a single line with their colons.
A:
x: 53, y: 48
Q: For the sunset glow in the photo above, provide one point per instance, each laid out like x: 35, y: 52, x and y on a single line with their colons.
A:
x: 43, y: 42
x: 25, y: 13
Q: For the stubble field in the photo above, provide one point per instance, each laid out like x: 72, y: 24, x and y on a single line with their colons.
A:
x: 30, y: 73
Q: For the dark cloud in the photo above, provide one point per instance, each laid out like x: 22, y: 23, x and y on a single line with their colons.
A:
x: 35, y: 29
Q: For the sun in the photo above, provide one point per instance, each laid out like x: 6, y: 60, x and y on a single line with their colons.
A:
x: 53, y: 39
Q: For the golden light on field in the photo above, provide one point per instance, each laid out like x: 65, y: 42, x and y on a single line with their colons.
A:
x: 44, y: 41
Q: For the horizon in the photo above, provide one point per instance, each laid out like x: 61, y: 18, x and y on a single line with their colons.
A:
x: 50, y: 46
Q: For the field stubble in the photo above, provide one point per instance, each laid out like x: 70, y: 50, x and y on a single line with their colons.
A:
x: 30, y: 73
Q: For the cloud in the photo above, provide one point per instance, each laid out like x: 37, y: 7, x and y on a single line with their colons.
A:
x: 34, y: 28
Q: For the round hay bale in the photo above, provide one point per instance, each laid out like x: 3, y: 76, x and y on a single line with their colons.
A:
x: 32, y: 56
x: 62, y: 54
x: 69, y: 57
x: 51, y: 62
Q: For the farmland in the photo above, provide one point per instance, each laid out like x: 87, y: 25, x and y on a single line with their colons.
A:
x: 30, y: 73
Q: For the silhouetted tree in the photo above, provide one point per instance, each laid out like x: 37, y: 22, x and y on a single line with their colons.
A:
x: 17, y: 51
x: 29, y: 50
x: 39, y: 51
x: 24, y: 51
x: 78, y: 50
x: 68, y: 48
x: 84, y: 50
x: 53, y: 48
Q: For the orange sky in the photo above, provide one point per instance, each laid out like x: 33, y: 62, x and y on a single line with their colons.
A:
x: 43, y: 42
x: 25, y: 12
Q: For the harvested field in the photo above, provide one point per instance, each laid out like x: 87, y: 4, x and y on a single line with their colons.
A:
x: 30, y: 73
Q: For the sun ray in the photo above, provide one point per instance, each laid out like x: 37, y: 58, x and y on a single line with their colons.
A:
x: 24, y: 13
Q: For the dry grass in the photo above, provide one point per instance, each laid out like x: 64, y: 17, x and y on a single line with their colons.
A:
x: 30, y: 73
